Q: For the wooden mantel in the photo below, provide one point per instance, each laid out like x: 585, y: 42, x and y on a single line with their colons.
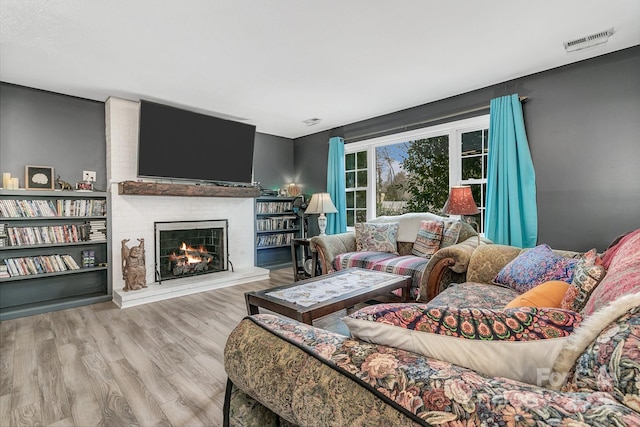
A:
x: 189, y: 190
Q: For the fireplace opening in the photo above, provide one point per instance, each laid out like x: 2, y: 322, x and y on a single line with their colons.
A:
x: 190, y: 248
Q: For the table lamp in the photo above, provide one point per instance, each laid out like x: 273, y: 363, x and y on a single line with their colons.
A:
x: 460, y: 202
x: 321, y: 204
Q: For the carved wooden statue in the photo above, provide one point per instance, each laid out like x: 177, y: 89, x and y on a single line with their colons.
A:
x: 134, y: 272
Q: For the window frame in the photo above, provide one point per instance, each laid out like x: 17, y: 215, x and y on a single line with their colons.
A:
x: 453, y: 129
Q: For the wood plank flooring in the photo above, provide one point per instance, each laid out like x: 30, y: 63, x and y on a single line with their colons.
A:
x: 159, y: 364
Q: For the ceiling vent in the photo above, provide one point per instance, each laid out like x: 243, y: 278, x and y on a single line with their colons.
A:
x: 588, y: 41
x: 313, y: 121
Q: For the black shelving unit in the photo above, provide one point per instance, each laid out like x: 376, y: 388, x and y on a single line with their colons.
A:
x: 276, y: 225
x: 45, y: 290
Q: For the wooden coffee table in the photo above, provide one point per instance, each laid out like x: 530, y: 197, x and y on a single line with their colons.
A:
x: 319, y: 296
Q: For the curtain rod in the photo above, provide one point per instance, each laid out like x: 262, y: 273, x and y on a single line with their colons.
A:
x: 424, y: 122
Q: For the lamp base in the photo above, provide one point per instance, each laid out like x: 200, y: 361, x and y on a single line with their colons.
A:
x: 322, y: 224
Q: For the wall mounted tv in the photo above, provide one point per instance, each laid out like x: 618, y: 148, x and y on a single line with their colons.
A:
x: 178, y: 144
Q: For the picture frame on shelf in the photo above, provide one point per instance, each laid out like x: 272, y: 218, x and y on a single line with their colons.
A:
x: 39, y: 177
x: 84, y: 186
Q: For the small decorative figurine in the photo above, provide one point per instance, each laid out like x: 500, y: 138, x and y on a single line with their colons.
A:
x: 134, y: 272
x: 64, y: 185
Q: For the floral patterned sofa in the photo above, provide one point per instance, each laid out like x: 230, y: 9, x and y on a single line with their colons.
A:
x: 284, y: 373
x: 340, y: 251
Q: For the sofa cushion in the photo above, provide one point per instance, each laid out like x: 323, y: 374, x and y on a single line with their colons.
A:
x: 471, y: 294
x: 513, y: 343
x: 533, y: 267
x: 450, y: 233
x: 408, y: 223
x: 365, y: 259
x: 407, y: 265
x: 587, y: 275
x: 428, y: 239
x: 623, y: 274
x: 377, y: 237
x: 603, y: 353
x: 320, y: 378
x: 547, y: 294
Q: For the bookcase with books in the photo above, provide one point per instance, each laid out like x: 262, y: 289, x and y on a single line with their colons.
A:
x: 276, y: 226
x: 53, y: 251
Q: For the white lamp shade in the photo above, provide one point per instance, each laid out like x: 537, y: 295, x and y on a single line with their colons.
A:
x: 320, y: 203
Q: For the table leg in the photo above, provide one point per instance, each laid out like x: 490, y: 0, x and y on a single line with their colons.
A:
x: 251, y: 309
x: 294, y: 260
x: 406, y: 290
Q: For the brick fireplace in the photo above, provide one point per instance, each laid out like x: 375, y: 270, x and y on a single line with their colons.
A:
x: 135, y: 216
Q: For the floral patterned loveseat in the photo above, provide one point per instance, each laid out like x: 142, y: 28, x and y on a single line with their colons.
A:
x: 284, y: 373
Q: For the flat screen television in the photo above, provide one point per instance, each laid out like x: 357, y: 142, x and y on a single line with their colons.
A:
x: 178, y: 144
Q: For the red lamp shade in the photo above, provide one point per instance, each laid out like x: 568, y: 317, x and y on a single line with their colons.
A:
x: 460, y: 202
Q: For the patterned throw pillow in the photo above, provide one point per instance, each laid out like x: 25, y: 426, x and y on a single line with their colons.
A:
x: 514, y: 343
x: 533, y: 267
x: 623, y: 274
x: 381, y: 237
x: 587, y: 275
x: 428, y: 240
x: 450, y: 233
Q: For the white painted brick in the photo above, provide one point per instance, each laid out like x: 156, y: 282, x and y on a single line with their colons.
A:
x: 133, y: 217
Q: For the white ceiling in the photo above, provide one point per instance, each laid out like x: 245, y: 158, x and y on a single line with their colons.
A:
x: 276, y: 63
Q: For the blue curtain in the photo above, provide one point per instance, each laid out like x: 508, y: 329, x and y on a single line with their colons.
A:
x: 512, y: 213
x: 336, y: 223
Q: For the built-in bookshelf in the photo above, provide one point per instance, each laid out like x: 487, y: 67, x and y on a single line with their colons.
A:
x: 53, y: 251
x: 276, y: 226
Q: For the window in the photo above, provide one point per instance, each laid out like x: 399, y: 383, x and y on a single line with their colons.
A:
x: 356, y: 178
x: 473, y: 162
x: 412, y: 171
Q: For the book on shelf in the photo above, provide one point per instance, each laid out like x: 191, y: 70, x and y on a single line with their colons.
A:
x: 274, y: 207
x: 32, y: 265
x: 35, y: 208
x: 88, y: 259
x: 274, y: 239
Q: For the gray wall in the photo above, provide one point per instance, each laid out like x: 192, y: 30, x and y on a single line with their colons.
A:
x: 47, y: 129
x: 583, y: 126
x: 273, y: 161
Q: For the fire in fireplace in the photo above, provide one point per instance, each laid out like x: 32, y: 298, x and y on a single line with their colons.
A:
x: 189, y: 248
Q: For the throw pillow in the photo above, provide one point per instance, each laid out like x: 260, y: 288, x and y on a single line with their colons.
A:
x: 428, y: 240
x: 547, y: 294
x: 514, y: 343
x: 377, y: 237
x: 623, y: 274
x: 587, y: 275
x: 533, y: 267
x: 450, y: 233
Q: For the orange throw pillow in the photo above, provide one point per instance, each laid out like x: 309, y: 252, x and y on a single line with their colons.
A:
x: 547, y: 294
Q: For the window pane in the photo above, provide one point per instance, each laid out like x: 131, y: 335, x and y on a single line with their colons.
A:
x: 476, y: 190
x: 350, y: 179
x: 362, y: 160
x: 486, y: 140
x: 361, y: 215
x: 350, y: 216
x: 351, y: 203
x: 427, y: 174
x: 350, y: 161
x: 362, y: 179
x: 472, y: 167
x: 485, y: 165
x: 361, y: 199
x: 472, y: 143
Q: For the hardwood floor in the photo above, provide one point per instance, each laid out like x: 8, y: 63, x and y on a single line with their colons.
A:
x: 159, y: 364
